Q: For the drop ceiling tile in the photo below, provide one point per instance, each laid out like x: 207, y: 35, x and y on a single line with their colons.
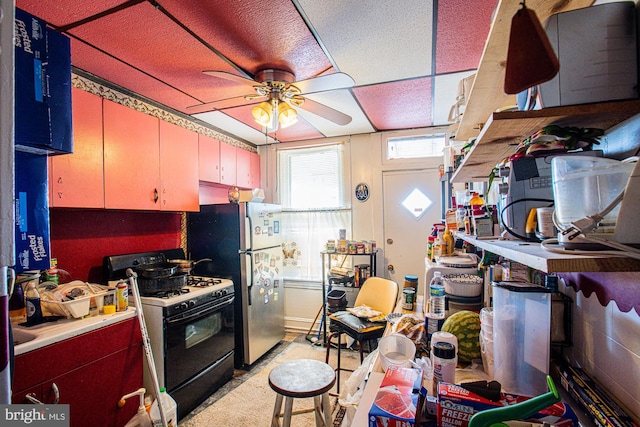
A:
x: 254, y: 34
x: 343, y: 101
x: 64, y: 12
x: 137, y: 36
x: 232, y: 126
x: 405, y: 104
x: 462, y: 30
x: 444, y: 95
x: 375, y: 41
x: 110, y: 69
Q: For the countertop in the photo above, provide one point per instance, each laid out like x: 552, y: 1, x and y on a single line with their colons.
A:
x: 29, y: 338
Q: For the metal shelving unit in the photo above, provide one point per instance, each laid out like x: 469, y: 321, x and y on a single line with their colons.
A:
x: 326, y: 286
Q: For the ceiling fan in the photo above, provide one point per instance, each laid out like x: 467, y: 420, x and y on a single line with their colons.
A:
x: 281, y: 94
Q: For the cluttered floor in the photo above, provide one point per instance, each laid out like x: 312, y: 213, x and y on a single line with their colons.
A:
x: 247, y: 398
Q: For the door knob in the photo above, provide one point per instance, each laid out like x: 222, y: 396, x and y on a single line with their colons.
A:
x: 390, y: 241
x: 390, y: 267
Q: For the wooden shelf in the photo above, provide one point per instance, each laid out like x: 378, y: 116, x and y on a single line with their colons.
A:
x: 487, y: 94
x: 534, y: 256
x: 505, y: 130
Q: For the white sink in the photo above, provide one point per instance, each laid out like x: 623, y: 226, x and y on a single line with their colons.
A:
x: 21, y: 337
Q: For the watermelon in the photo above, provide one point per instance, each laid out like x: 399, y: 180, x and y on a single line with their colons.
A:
x: 465, y: 325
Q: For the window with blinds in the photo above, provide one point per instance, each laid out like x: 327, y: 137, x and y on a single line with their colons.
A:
x: 315, y: 204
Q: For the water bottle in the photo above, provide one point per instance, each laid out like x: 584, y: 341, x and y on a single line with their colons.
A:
x: 32, y: 303
x: 436, y: 296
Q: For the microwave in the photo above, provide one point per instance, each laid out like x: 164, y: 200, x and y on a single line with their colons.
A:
x: 598, y: 53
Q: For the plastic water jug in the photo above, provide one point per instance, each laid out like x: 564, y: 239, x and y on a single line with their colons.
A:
x: 170, y: 408
x: 584, y: 185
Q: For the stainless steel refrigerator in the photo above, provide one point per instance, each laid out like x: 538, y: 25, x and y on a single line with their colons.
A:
x: 245, y: 245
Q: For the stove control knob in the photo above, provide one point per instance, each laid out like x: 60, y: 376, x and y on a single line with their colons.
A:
x: 192, y: 303
x: 183, y: 306
x: 220, y: 293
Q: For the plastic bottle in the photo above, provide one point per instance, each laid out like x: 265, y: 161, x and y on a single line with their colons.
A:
x: 32, y: 303
x: 460, y: 215
x: 431, y: 240
x: 444, y: 366
x: 16, y: 302
x: 436, y: 296
x: 449, y: 241
x: 438, y: 246
x: 169, y: 407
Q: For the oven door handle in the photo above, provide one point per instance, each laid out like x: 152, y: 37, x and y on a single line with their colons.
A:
x: 199, y: 313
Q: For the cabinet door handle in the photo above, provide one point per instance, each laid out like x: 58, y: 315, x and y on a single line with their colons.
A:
x: 155, y: 195
x: 31, y: 397
x: 59, y: 194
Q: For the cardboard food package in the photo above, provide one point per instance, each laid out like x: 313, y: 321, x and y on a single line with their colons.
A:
x: 396, y: 401
x: 456, y: 406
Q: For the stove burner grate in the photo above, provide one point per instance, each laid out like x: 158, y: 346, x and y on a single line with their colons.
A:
x: 202, y: 282
x: 168, y: 294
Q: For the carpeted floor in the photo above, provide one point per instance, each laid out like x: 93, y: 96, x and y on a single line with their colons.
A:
x: 247, y: 400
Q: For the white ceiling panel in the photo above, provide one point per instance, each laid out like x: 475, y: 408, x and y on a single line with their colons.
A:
x: 445, y: 93
x: 348, y: 105
x: 233, y: 126
x: 363, y: 35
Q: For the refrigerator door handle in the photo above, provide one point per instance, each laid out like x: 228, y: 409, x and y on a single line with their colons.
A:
x: 248, y: 274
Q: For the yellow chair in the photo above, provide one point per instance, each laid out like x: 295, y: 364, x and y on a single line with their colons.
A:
x: 376, y: 292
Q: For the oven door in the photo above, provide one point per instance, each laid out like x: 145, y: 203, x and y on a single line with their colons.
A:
x: 196, y: 339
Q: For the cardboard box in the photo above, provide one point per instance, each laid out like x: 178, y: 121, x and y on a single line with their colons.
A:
x: 457, y: 405
x: 396, y: 401
x: 43, y: 123
x: 32, y: 212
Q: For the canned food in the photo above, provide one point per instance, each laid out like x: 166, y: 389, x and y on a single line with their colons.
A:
x: 122, y: 296
x: 408, y: 298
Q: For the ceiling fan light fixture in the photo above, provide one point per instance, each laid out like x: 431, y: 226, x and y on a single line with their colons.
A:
x: 287, y: 116
x: 262, y: 113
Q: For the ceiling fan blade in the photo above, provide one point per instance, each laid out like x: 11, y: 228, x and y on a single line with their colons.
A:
x: 220, y: 104
x: 232, y: 77
x: 324, y: 83
x: 324, y: 111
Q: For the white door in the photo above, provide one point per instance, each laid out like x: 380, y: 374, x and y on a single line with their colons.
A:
x: 411, y: 207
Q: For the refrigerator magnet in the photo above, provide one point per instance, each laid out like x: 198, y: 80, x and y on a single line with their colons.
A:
x: 266, y: 299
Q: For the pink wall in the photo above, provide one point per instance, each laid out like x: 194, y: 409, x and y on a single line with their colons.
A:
x: 81, y: 238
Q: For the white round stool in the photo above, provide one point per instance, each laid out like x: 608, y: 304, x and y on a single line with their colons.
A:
x: 300, y: 379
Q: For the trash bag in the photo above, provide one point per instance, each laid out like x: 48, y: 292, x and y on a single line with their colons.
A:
x: 354, y: 387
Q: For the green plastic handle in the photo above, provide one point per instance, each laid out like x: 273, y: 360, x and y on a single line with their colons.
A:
x: 495, y: 417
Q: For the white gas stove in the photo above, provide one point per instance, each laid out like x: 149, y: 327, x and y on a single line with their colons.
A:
x: 199, y: 290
